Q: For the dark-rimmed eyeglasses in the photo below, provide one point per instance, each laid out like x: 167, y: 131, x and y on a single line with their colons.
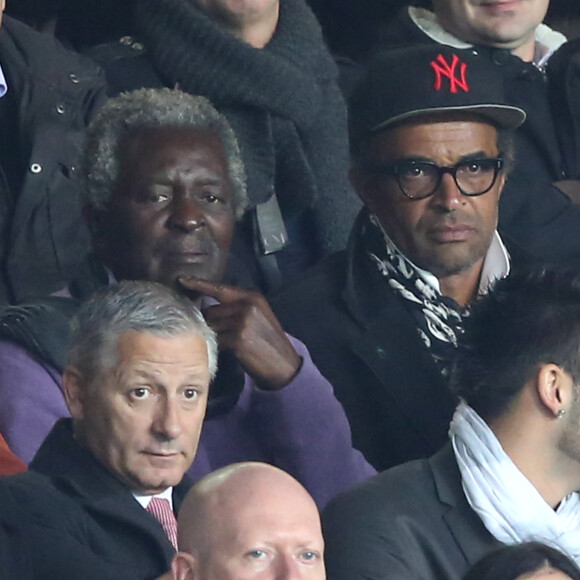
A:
x: 420, y: 179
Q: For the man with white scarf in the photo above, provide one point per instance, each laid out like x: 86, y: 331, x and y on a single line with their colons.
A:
x: 512, y: 468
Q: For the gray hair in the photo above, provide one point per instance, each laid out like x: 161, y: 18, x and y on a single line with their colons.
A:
x: 153, y: 108
x: 132, y: 306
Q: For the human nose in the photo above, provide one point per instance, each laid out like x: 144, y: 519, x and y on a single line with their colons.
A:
x: 288, y: 569
x: 167, y: 420
x: 447, y: 195
x: 186, y: 214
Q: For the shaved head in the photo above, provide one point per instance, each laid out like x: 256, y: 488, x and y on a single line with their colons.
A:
x: 249, y: 521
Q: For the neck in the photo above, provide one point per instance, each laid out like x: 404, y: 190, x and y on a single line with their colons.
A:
x: 526, y: 444
x: 462, y: 287
x: 255, y: 29
x: 526, y: 51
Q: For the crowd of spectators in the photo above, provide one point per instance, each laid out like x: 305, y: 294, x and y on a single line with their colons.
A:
x: 267, y: 258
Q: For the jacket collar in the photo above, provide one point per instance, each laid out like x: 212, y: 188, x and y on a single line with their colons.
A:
x: 463, y: 523
x: 391, y: 348
x: 76, y: 472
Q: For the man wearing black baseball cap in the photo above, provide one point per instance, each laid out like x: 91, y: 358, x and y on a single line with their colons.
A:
x: 431, y: 141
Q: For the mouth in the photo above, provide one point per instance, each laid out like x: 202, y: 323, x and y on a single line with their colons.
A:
x: 187, y: 256
x: 500, y: 5
x: 162, y: 456
x: 446, y: 234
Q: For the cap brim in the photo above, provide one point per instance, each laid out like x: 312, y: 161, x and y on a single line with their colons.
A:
x: 503, y: 116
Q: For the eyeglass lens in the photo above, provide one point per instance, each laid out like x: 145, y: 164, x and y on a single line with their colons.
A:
x: 419, y: 179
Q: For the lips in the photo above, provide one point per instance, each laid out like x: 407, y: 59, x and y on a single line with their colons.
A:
x: 187, y: 257
x: 445, y: 234
x: 162, y: 458
x: 500, y: 6
x: 190, y: 252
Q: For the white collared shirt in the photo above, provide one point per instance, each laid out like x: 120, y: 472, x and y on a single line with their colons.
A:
x: 144, y: 500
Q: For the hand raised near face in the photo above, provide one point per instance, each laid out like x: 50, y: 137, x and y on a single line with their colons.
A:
x: 245, y: 324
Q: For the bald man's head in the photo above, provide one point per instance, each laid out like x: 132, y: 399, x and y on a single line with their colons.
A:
x: 249, y: 521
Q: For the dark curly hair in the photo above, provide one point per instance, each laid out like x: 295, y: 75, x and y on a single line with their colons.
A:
x: 527, y: 320
x: 510, y: 562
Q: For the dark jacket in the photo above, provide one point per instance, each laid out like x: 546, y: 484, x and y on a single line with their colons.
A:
x: 365, y: 342
x: 533, y: 212
x: 55, y: 92
x: 411, y: 522
x: 88, y: 524
x: 14, y: 540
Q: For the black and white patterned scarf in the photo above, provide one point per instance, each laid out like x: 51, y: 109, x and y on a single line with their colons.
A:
x: 438, y: 318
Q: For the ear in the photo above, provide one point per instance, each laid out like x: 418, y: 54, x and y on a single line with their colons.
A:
x: 73, y: 385
x: 361, y: 182
x: 555, y: 388
x: 501, y: 179
x: 184, y: 567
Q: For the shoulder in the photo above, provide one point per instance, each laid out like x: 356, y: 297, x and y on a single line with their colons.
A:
x: 42, y: 328
x: 401, y: 490
x: 126, y: 63
x: 317, y: 286
x: 45, y: 57
x: 382, y: 529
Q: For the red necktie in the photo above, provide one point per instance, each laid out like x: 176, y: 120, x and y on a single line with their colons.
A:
x: 163, y: 513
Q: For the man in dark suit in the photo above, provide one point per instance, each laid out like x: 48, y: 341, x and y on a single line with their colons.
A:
x: 104, y: 485
x: 431, y: 154
x: 512, y: 468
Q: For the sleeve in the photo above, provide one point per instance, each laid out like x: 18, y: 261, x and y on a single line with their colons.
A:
x: 30, y: 400
x: 307, y: 432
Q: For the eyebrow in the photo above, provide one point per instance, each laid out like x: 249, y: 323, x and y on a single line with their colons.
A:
x: 475, y: 155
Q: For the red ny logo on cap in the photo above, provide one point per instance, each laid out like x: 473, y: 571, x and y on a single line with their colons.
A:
x: 443, y: 69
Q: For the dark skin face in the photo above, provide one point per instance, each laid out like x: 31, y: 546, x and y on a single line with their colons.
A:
x: 172, y: 212
x: 171, y: 220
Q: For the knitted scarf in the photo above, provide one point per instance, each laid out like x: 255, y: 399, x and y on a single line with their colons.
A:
x: 271, y: 96
x: 437, y: 317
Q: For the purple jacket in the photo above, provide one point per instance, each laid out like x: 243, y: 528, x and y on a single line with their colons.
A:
x: 301, y: 428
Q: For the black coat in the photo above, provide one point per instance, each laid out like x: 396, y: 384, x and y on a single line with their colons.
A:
x: 365, y: 342
x: 55, y: 93
x: 411, y: 522
x: 87, y: 523
x: 14, y: 541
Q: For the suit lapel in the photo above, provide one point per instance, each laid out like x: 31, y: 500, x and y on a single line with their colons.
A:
x: 390, y: 346
x: 468, y: 530
x: 84, y: 479
x: 392, y: 350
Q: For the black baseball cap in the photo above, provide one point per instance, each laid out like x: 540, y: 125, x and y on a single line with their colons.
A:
x: 405, y: 83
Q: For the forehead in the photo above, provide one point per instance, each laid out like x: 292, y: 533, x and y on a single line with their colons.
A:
x: 545, y: 574
x: 148, y: 150
x: 447, y: 138
x: 187, y: 351
x: 265, y: 509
